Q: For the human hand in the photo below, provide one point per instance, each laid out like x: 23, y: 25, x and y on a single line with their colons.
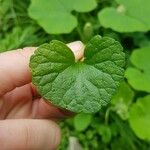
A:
x: 24, y: 116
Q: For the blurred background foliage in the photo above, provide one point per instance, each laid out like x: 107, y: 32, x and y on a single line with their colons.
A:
x: 125, y: 123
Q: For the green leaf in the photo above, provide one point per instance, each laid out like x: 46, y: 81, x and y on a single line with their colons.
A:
x: 105, y: 132
x: 82, y: 86
x: 139, y: 118
x: 55, y: 16
x: 122, y: 99
x: 90, y: 134
x: 139, y: 75
x: 124, y: 94
x: 129, y: 16
x: 82, y: 121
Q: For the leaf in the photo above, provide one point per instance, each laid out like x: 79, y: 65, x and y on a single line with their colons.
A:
x: 129, y: 16
x: 139, y: 118
x: 90, y: 134
x: 124, y: 94
x: 122, y: 99
x: 82, y: 86
x: 139, y: 75
x: 105, y: 132
x: 82, y: 121
x: 55, y: 16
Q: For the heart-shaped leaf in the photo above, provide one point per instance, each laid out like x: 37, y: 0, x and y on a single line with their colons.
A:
x: 82, y: 86
x: 130, y: 16
x: 55, y: 15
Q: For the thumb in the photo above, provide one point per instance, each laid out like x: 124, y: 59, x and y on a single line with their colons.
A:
x: 29, y: 134
x: 77, y: 48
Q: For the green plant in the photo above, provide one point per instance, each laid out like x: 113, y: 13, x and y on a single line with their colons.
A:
x: 55, y: 16
x: 122, y: 100
x: 82, y: 121
x: 26, y: 37
x: 139, y: 74
x: 123, y: 124
x: 128, y: 16
x: 139, y: 117
x: 83, y: 85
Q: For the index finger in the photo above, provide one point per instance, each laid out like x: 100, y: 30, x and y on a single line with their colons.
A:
x: 14, y: 70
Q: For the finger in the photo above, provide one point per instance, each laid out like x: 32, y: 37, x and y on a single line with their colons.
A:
x: 14, y: 67
x: 14, y: 70
x: 29, y: 134
x: 19, y: 103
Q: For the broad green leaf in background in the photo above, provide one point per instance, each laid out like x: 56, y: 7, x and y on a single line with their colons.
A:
x: 82, y: 121
x: 139, y: 117
x: 122, y: 99
x: 79, y: 86
x: 129, y: 16
x: 139, y: 75
x: 55, y: 15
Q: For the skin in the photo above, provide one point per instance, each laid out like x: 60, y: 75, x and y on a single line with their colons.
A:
x: 26, y: 120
